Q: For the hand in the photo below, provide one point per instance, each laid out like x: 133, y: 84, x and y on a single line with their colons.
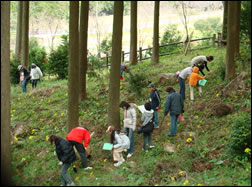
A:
x: 60, y: 163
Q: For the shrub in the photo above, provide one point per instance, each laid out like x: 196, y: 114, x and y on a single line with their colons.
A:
x: 37, y: 55
x: 240, y: 136
x: 14, y: 73
x: 137, y: 81
x: 58, y: 59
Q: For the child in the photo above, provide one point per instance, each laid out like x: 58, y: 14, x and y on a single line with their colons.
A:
x: 66, y: 155
x: 147, y: 126
x: 122, y: 69
x: 129, y: 123
x: 120, y: 142
x: 36, y: 74
x: 194, y: 81
x: 201, y: 62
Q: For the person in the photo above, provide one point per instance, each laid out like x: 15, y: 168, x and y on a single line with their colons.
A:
x: 76, y: 137
x: 148, y: 122
x: 122, y: 69
x: 36, y: 75
x: 175, y: 105
x: 129, y: 123
x: 194, y: 81
x: 66, y: 155
x: 155, y: 102
x: 201, y: 62
x: 181, y: 78
x: 27, y: 77
x: 121, y: 143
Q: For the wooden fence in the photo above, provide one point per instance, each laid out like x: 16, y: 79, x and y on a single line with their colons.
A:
x: 140, y: 57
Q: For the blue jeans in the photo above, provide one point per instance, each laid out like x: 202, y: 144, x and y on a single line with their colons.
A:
x: 182, y: 87
x: 156, y: 118
x: 174, y: 124
x: 147, y: 138
x: 24, y: 83
x: 65, y: 179
x: 130, y: 134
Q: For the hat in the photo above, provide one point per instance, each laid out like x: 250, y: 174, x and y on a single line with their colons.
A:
x: 33, y: 64
x: 151, y: 85
x: 19, y: 67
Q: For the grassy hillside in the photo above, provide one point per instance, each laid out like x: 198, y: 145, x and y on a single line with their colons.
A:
x: 201, y: 160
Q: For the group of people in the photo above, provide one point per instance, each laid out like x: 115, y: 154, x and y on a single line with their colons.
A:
x: 34, y: 75
x: 123, y: 140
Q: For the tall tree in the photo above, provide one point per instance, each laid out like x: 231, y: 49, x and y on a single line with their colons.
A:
x: 5, y: 94
x: 155, y: 48
x: 25, y: 35
x: 19, y: 29
x: 133, y: 33
x: 73, y: 67
x: 237, y: 23
x: 232, y: 32
x: 83, y: 47
x: 114, y: 79
x: 225, y: 16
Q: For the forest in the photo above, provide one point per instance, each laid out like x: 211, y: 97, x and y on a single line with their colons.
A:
x: 80, y: 48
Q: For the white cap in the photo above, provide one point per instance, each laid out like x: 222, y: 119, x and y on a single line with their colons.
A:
x: 19, y: 67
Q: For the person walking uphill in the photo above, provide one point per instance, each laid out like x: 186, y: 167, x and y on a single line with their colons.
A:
x: 155, y: 102
x: 181, y: 78
x: 129, y: 124
x: 36, y: 74
x: 27, y: 77
x: 66, y: 155
x: 76, y: 138
x: 175, y: 105
x: 201, y: 62
x: 194, y: 81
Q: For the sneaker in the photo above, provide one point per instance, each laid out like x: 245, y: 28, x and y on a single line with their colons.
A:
x: 144, y: 150
x: 151, y: 146
x: 87, y: 168
x: 172, y: 135
x: 118, y: 163
x: 123, y: 160
x: 200, y: 94
x: 156, y: 127
x: 129, y: 155
x: 72, y: 184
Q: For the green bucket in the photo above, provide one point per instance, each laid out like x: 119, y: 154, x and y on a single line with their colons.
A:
x: 202, y: 82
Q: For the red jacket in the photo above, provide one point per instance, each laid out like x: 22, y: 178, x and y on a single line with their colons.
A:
x: 79, y: 134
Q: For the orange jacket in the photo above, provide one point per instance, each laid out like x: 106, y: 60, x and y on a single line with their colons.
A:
x: 194, y: 77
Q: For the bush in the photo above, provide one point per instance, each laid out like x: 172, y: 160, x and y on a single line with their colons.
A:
x: 14, y: 73
x: 240, y: 136
x: 37, y: 55
x: 58, y: 59
x: 137, y: 81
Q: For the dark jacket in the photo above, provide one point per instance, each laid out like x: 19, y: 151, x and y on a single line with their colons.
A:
x: 201, y: 67
x: 155, y: 99
x: 26, y: 74
x: 174, y: 104
x: 65, y: 151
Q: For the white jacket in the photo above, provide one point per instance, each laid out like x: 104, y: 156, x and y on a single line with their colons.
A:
x: 36, y: 73
x: 130, y: 118
x: 122, y: 140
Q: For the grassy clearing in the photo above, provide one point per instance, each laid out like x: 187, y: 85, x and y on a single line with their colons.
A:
x: 201, y: 161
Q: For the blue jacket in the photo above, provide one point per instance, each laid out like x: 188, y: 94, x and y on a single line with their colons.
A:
x: 155, y: 99
x: 174, y: 104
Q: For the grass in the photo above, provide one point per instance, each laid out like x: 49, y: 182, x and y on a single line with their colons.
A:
x: 202, y: 161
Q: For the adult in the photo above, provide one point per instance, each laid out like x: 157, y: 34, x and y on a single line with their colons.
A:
x: 155, y: 102
x: 175, y: 105
x: 129, y: 123
x: 181, y: 78
x: 76, y: 137
x: 36, y: 75
x: 201, y: 62
x: 26, y: 75
x: 66, y: 155
x: 120, y: 142
x: 122, y: 69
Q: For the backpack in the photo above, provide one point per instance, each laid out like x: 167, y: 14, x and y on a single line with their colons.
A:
x: 148, y: 128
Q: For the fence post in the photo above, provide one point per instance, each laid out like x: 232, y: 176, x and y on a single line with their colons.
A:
x: 122, y: 56
x: 140, y: 53
x: 213, y: 39
x: 107, y: 59
x: 219, y: 39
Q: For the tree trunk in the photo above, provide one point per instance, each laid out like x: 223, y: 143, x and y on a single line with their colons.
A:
x: 225, y: 16
x: 237, y: 23
x: 83, y: 48
x: 114, y: 79
x: 155, y: 48
x: 5, y: 95
x: 73, y: 67
x: 19, y: 29
x: 133, y: 33
x: 232, y: 33
x: 25, y: 35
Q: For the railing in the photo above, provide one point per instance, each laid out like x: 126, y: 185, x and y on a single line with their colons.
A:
x: 140, y: 57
